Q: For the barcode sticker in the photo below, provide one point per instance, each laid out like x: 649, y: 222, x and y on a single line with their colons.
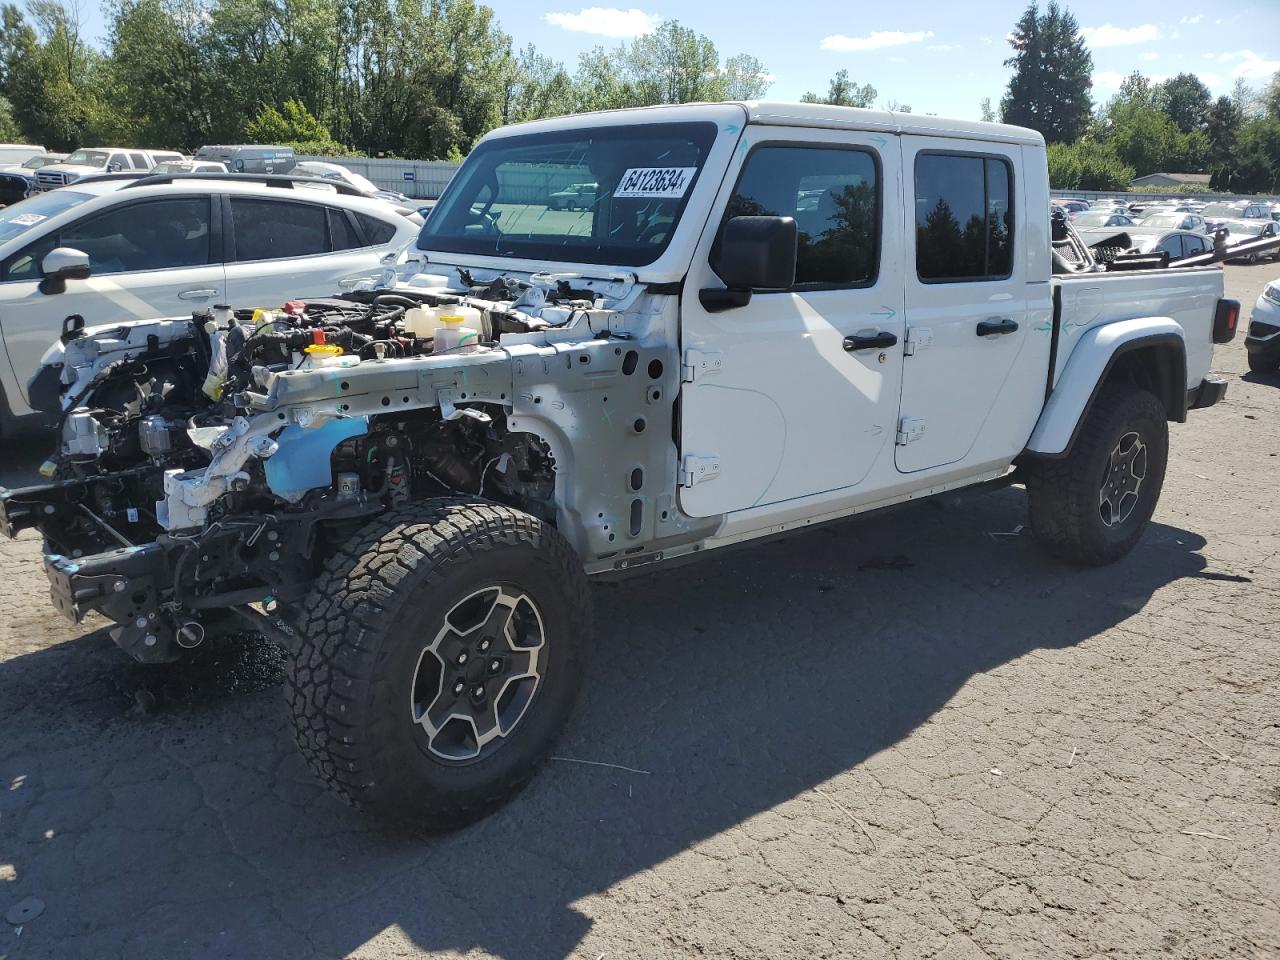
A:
x: 662, y: 182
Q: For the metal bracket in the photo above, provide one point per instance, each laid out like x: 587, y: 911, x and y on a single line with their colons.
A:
x: 919, y: 339
x: 695, y: 470
x: 448, y: 411
x: 910, y: 429
x: 696, y: 364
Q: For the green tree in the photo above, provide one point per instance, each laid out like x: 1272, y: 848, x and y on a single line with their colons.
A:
x: 1223, y: 130
x: 744, y: 77
x: 843, y: 92
x: 1257, y: 168
x: 536, y: 86
x: 1087, y: 165
x: 10, y: 132
x: 1186, y: 100
x: 1052, y: 75
x: 1271, y: 97
x: 988, y: 114
x: 1141, y: 134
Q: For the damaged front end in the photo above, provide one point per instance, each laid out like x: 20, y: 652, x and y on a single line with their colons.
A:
x: 207, y: 467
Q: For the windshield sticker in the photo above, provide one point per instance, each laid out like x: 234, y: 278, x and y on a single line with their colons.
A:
x: 28, y: 219
x: 655, y: 182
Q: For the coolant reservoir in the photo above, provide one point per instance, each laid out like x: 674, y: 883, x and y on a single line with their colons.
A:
x: 328, y: 355
x: 454, y: 334
x: 422, y: 322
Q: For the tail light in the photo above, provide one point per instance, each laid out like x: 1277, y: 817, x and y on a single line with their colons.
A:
x: 1225, y: 318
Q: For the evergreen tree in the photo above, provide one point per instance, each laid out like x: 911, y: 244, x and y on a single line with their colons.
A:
x: 1052, y: 75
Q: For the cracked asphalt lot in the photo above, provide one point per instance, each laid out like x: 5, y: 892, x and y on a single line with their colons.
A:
x: 894, y: 737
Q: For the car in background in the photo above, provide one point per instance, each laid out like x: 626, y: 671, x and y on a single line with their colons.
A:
x: 1176, y: 221
x: 336, y: 173
x: 1102, y: 218
x: 17, y: 183
x: 95, y: 161
x: 188, y: 166
x: 249, y: 157
x: 577, y: 196
x: 1215, y: 214
x: 118, y: 249
x: 1178, y: 244
x: 1243, y: 231
x: 1263, y: 340
x: 16, y: 154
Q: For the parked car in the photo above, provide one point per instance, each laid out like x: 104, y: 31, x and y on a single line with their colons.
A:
x: 1217, y: 214
x: 1142, y: 238
x: 249, y: 158
x: 1241, y: 231
x: 1175, y: 221
x: 578, y: 196
x: 427, y: 517
x: 164, y: 249
x: 336, y: 172
x: 1263, y: 340
x: 17, y: 183
x: 189, y: 166
x: 1101, y: 218
x: 16, y: 154
x: 93, y: 161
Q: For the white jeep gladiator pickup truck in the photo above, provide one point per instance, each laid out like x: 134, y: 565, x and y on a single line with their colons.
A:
x: 769, y: 316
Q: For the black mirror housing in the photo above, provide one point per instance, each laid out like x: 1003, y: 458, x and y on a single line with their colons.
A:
x: 758, y: 253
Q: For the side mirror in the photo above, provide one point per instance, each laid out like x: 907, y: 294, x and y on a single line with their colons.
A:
x: 114, y: 167
x: 754, y: 253
x: 60, y: 265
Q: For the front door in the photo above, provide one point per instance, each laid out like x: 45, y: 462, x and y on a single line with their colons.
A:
x: 966, y: 297
x: 781, y: 401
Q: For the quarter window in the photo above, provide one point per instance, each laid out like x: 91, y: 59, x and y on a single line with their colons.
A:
x: 964, y: 218
x: 275, y: 229
x: 377, y: 231
x: 156, y: 235
x: 834, y: 196
x: 341, y: 231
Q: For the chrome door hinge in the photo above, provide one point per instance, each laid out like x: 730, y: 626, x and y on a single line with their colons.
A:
x: 695, y: 470
x: 698, y: 364
x: 919, y: 339
x: 909, y: 429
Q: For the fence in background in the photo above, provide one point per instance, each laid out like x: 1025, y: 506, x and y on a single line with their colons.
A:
x: 421, y: 179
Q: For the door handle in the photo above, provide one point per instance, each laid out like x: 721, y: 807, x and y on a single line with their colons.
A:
x: 874, y: 341
x: 197, y: 294
x: 997, y: 326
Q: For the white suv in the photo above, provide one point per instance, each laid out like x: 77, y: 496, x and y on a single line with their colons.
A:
x: 137, y: 248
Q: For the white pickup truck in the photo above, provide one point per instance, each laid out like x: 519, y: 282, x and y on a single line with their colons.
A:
x: 770, y: 316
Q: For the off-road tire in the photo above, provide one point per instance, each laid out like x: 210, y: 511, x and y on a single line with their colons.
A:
x: 1064, y: 493
x: 350, y: 683
x: 1259, y: 364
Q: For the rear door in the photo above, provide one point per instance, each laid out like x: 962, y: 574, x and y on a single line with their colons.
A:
x: 150, y: 258
x: 966, y: 299
x: 774, y: 398
x: 281, y: 249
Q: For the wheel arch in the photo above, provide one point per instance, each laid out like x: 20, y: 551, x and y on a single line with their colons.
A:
x: 1149, y: 353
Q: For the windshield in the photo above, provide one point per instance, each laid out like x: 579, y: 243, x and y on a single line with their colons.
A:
x: 25, y: 214
x: 1221, y: 210
x: 35, y: 163
x: 1092, y: 219
x: 173, y: 166
x: 90, y: 158
x: 1163, y: 220
x: 609, y: 195
x: 1253, y: 228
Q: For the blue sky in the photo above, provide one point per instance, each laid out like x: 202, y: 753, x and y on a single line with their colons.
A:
x: 940, y: 56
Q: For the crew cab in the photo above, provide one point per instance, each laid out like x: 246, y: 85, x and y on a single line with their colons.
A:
x: 773, y: 316
x: 116, y: 248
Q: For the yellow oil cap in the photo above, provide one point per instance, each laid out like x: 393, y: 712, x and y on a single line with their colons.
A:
x: 323, y: 350
x: 451, y: 318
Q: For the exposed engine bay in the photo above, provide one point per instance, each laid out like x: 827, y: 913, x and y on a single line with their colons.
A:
x: 211, y: 462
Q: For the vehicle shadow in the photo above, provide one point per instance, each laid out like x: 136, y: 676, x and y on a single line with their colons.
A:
x: 1271, y: 379
x: 738, y: 684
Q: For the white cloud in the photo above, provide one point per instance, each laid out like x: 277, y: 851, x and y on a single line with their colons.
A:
x: 1255, y: 68
x: 1108, y: 79
x: 1190, y: 20
x: 1149, y: 55
x: 606, y: 21
x: 1110, y: 36
x: 874, y: 41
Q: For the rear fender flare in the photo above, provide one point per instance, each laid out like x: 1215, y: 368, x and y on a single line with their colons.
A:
x: 1099, y: 355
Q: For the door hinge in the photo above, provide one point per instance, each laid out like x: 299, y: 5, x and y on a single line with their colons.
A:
x: 919, y: 339
x: 698, y: 364
x: 909, y: 429
x: 695, y: 470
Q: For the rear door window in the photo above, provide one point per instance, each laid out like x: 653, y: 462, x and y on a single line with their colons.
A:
x: 139, y: 161
x: 276, y: 229
x: 964, y: 218
x: 154, y: 235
